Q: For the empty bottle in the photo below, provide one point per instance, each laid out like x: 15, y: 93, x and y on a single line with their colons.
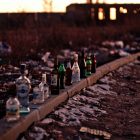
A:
x: 75, y: 72
x: 62, y: 71
x: 12, y: 105
x: 23, y: 86
x: 88, y: 66
x: 94, y: 63
x: 82, y: 65
x: 44, y: 87
x: 68, y: 74
x: 55, y: 79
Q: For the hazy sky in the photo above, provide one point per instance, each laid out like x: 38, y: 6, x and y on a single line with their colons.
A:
x: 38, y: 5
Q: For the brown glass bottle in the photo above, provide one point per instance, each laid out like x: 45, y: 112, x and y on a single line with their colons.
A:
x: 82, y: 65
x: 68, y: 74
x: 55, y: 79
x: 94, y: 63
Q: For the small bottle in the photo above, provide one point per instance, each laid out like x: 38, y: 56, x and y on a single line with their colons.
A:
x: 88, y: 66
x: 68, y: 74
x: 44, y: 87
x: 94, y: 63
x: 82, y: 65
x: 62, y: 71
x: 55, y: 79
x: 23, y: 86
x: 75, y: 72
x: 38, y: 95
x: 12, y: 105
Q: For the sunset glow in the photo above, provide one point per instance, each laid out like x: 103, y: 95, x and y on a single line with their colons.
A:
x: 39, y: 6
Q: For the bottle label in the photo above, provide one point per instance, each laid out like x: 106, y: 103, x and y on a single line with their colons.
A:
x: 22, y: 90
x: 54, y: 80
x: 38, y: 95
x: 22, y: 93
x: 12, y: 111
x: 89, y: 68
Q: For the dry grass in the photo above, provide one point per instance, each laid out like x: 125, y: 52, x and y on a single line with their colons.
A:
x: 26, y: 41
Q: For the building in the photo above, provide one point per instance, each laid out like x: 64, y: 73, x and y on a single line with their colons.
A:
x: 102, y: 13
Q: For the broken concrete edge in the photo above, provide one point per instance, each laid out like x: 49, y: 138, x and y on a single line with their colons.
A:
x: 53, y: 102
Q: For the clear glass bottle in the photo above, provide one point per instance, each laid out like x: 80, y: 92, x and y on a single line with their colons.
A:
x: 12, y: 105
x: 44, y: 87
x: 75, y: 72
x: 23, y: 86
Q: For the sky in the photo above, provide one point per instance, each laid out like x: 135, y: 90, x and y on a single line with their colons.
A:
x: 39, y: 6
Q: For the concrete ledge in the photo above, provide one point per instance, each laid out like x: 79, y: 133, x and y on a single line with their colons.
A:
x: 51, y: 104
x: 10, y: 131
x: 77, y: 87
x: 94, y: 77
x: 15, y: 128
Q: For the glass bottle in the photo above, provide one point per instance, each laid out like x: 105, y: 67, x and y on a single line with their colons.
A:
x: 62, y: 71
x: 82, y: 65
x: 55, y: 79
x: 88, y: 66
x: 23, y: 86
x: 68, y: 74
x: 94, y: 63
x: 75, y: 71
x: 44, y: 87
x: 12, y: 105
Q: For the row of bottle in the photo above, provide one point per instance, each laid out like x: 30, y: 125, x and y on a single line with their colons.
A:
x: 81, y: 68
x: 59, y: 78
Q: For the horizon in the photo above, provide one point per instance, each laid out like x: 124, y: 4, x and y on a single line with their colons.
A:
x: 26, y: 6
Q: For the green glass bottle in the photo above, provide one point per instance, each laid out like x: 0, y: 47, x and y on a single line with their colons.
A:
x: 62, y: 71
x: 88, y: 66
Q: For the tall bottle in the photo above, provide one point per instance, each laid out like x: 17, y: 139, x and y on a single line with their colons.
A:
x: 68, y: 74
x: 94, y: 63
x: 75, y: 70
x: 55, y: 79
x: 23, y: 86
x: 88, y: 66
x: 12, y: 105
x: 62, y: 71
x: 82, y: 65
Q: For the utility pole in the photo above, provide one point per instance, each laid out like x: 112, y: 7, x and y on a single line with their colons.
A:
x: 89, y: 1
x: 47, y: 4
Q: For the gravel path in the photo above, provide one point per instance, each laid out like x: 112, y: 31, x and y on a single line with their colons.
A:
x: 110, y: 108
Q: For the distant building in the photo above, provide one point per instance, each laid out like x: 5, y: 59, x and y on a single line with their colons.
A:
x: 102, y: 13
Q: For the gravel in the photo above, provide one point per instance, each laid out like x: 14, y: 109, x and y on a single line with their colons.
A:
x: 111, y: 106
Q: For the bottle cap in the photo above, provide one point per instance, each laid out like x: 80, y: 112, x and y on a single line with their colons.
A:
x: 22, y: 66
x: 44, y: 77
x: 12, y: 90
